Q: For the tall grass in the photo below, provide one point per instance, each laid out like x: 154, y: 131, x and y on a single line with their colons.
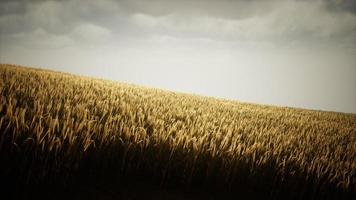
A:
x: 55, y: 125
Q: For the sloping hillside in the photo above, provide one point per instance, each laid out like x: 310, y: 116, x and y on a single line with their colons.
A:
x: 64, y: 134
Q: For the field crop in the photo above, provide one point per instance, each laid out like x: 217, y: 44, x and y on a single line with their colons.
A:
x: 56, y: 128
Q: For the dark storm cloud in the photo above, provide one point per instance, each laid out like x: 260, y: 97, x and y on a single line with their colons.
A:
x: 342, y: 5
x: 215, y: 18
x: 323, y: 23
x: 8, y: 7
x: 235, y: 9
x: 58, y: 17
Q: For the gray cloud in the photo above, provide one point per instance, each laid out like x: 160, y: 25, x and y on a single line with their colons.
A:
x: 57, y: 17
x: 289, y: 21
x: 266, y: 20
x: 342, y: 5
x: 8, y: 7
x: 280, y: 16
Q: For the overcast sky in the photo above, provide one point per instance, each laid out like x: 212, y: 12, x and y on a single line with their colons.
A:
x: 295, y: 53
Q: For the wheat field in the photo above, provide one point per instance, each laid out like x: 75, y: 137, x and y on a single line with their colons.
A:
x: 55, y: 127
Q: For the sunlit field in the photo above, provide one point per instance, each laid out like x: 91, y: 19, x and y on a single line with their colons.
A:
x: 64, y: 134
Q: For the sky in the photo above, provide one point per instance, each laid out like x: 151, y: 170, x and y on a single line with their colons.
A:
x: 295, y: 53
